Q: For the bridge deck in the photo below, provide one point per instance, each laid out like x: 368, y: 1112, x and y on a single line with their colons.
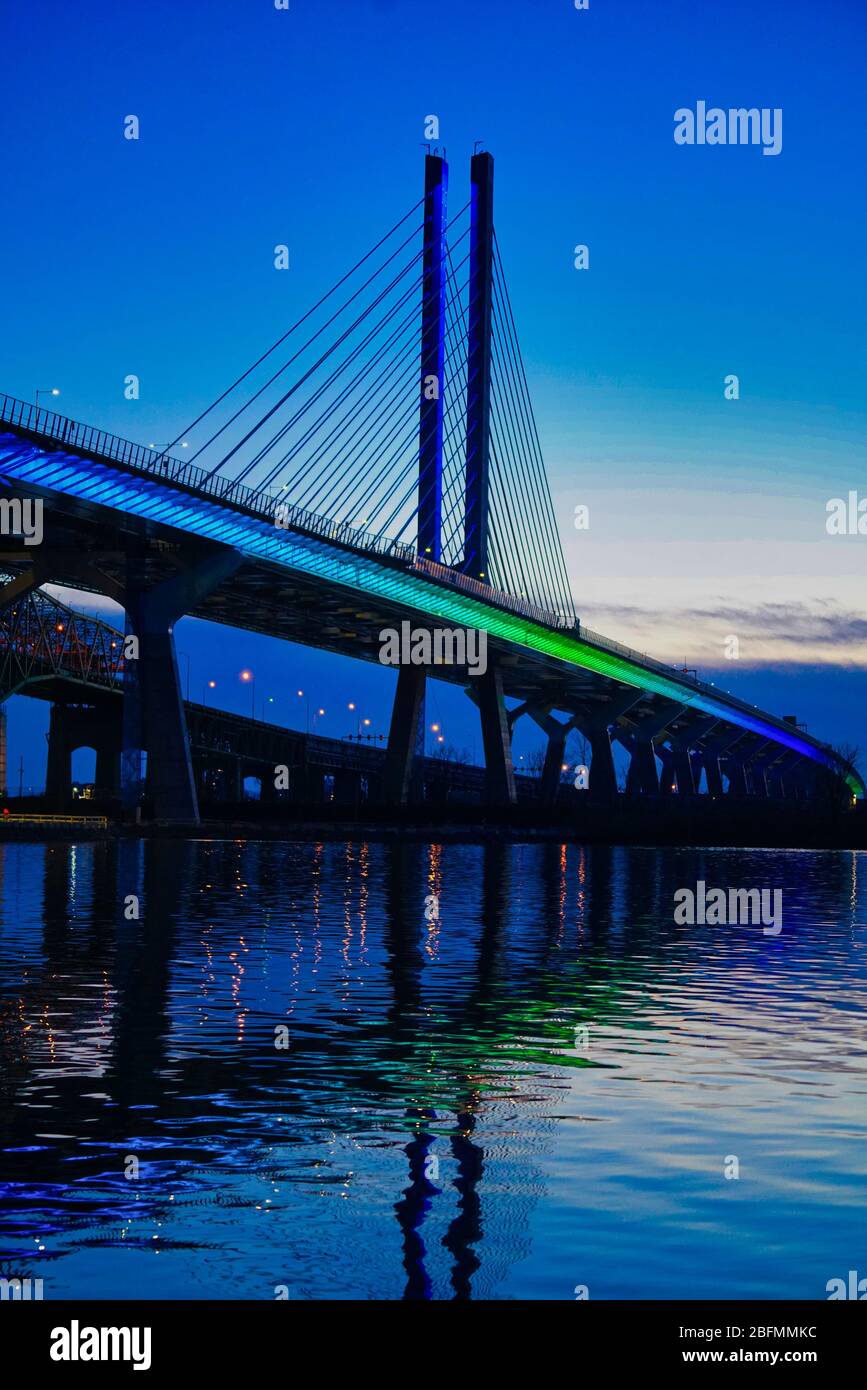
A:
x: 321, y: 584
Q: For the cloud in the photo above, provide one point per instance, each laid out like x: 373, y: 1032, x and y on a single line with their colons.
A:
x: 819, y: 631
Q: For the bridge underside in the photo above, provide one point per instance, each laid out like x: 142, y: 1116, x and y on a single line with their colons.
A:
x: 156, y: 552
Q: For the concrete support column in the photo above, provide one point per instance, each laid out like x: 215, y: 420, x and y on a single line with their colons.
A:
x: 108, y: 767
x: 3, y: 767
x: 756, y: 768
x: 58, y: 777
x: 736, y: 771
x: 669, y: 777
x: 687, y: 755
x: 683, y: 771
x: 552, y: 769
x: 802, y: 781
x: 642, y: 779
x: 347, y: 786
x: 555, y: 749
x: 603, y: 776
x: 403, y: 734
x: 497, y: 740
x: 154, y: 719
x: 697, y: 763
x: 777, y: 775
x: 595, y: 727
x: 713, y: 775
x: 711, y: 755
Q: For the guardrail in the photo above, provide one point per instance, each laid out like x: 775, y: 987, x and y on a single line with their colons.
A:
x: 13, y: 817
x: 565, y: 623
x: 256, y: 501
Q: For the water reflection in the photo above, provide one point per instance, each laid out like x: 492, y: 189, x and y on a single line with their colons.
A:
x: 439, y: 1125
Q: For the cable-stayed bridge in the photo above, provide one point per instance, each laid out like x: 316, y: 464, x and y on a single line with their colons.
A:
x: 378, y: 464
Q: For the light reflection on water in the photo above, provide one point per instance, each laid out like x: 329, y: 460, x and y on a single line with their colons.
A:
x: 437, y: 1125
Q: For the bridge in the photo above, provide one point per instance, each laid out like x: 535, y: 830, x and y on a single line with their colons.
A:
x: 48, y: 651
x: 388, y: 471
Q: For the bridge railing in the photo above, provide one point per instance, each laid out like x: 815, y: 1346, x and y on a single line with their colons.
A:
x: 445, y: 575
x: 563, y: 623
x: 144, y: 459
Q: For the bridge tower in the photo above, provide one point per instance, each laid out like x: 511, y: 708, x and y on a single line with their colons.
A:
x: 478, y: 436
x: 430, y: 423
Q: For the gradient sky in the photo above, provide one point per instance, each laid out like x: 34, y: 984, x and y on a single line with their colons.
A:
x: 261, y: 126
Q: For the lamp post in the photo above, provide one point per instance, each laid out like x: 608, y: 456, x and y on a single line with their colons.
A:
x: 46, y: 391
x: 249, y: 679
x: 306, y: 698
x: 164, y: 448
x: 209, y: 685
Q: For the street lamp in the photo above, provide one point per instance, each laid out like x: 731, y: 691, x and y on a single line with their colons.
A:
x: 306, y: 698
x: 249, y: 679
x: 352, y: 706
x: 209, y: 685
x: 46, y: 391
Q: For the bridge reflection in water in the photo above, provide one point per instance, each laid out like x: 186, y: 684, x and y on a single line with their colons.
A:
x: 428, y: 1131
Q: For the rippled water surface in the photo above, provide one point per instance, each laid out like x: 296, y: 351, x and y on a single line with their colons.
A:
x: 290, y: 1076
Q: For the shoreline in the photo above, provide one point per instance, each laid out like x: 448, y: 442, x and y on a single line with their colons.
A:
x: 768, y: 827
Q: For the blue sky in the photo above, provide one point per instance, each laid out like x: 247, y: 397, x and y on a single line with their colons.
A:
x: 304, y: 126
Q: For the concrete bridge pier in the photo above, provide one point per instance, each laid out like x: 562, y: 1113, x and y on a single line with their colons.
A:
x: 643, y: 779
x: 711, y: 755
x: 687, y: 756
x: 154, y: 718
x: 668, y: 773
x: 776, y: 775
x: 82, y: 726
x: 596, y: 727
x: 557, y: 733
x: 58, y: 774
x: 603, y: 775
x: 736, y: 771
x: 108, y: 767
x: 802, y: 780
x: 675, y: 777
x: 713, y: 775
x: 500, y: 787
x: 757, y: 767
x: 404, y: 734
x: 347, y: 786
x: 552, y: 768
